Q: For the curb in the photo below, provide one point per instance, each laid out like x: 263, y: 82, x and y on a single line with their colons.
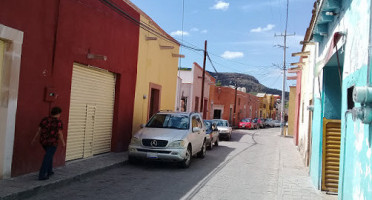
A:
x: 59, y: 183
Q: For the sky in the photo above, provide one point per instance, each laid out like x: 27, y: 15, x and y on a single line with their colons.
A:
x: 240, y: 33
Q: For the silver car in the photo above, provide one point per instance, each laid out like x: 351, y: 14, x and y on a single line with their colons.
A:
x: 224, y: 129
x: 170, y: 136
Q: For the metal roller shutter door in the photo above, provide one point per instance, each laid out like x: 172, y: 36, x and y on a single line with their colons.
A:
x: 91, y: 112
x: 331, y: 154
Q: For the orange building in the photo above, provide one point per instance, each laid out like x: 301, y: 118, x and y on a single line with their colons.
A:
x: 222, y: 100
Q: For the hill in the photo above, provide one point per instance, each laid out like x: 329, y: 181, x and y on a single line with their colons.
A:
x: 244, y: 80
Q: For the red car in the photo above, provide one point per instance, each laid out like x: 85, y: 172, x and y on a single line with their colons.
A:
x: 246, y: 123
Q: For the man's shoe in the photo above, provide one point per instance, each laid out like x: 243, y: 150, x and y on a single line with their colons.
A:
x: 50, y: 173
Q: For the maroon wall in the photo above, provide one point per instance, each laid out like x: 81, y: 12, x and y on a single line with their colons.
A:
x: 57, y: 34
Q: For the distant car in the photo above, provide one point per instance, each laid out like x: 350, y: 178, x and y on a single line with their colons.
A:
x: 212, y: 134
x: 224, y: 128
x: 270, y: 123
x: 170, y: 136
x: 260, y: 123
x: 277, y: 123
x: 245, y: 123
x: 255, y: 124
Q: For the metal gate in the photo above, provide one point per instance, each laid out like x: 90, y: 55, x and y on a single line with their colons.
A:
x: 331, y: 154
x: 91, y: 112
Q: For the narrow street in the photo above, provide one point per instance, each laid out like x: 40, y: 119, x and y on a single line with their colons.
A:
x: 255, y: 164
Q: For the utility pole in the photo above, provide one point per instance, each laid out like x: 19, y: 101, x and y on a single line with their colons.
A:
x: 203, y: 80
x: 236, y: 93
x: 285, y: 35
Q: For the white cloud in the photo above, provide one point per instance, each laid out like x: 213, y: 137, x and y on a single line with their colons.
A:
x: 194, y: 29
x: 269, y: 27
x: 204, y: 31
x: 221, y: 5
x: 180, y: 33
x: 232, y: 55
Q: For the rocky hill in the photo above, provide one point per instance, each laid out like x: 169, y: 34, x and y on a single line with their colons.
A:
x: 244, y: 80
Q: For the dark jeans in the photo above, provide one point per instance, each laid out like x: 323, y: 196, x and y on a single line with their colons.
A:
x: 47, y: 165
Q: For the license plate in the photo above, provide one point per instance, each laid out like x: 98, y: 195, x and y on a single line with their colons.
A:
x: 152, y: 155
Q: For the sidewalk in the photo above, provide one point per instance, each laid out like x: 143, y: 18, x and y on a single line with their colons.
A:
x: 27, y: 185
x: 294, y: 181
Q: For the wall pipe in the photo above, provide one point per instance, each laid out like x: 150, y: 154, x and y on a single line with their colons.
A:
x: 369, y: 46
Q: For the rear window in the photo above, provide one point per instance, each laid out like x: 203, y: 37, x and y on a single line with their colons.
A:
x: 246, y: 120
x: 169, y: 121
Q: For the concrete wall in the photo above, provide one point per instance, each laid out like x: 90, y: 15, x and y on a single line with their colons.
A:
x: 304, y: 134
x: 155, y: 66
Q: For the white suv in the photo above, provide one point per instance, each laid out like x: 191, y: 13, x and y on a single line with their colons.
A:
x: 170, y: 136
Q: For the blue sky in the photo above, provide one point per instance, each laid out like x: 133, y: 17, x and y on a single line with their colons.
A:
x: 240, y: 33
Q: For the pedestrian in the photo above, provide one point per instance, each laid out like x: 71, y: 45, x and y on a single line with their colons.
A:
x: 50, y: 131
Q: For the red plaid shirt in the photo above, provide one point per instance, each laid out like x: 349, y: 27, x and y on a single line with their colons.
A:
x: 49, y: 128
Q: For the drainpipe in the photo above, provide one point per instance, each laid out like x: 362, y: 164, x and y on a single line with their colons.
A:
x: 369, y: 47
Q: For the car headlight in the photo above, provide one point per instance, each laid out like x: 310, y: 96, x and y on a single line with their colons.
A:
x: 135, y: 141
x: 177, y: 144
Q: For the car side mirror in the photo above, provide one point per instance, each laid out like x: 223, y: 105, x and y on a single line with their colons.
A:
x: 195, y: 129
x: 142, y: 125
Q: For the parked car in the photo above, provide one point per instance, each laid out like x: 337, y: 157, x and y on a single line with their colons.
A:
x: 224, y: 128
x: 245, y: 123
x: 170, y: 136
x: 212, y: 133
x: 270, y: 123
x: 260, y: 123
x: 277, y: 123
x: 254, y: 123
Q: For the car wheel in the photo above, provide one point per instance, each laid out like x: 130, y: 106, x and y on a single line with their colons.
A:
x: 203, y: 150
x: 210, y: 146
x: 216, y: 143
x: 187, y: 161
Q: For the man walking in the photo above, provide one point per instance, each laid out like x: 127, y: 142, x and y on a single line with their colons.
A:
x: 50, y: 131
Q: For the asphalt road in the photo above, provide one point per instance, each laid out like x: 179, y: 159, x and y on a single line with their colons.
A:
x: 247, y: 167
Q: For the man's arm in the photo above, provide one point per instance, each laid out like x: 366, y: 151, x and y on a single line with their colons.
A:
x: 61, y: 137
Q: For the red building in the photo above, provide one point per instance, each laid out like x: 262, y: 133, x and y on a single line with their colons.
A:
x: 80, y: 55
x: 222, y: 104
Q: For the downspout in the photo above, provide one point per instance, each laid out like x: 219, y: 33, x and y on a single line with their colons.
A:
x: 369, y: 47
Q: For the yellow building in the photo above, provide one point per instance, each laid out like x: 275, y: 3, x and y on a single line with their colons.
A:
x: 156, y: 72
x: 264, y: 107
x: 291, y: 110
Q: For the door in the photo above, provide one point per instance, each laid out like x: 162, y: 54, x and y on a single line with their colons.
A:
x: 91, y: 112
x: 195, y: 136
x: 205, y: 108
x: 331, y: 154
x: 154, y: 102
x: 217, y: 114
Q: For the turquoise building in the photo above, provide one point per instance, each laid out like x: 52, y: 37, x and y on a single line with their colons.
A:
x: 341, y: 136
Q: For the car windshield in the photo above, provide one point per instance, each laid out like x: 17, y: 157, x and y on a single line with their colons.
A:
x: 208, y: 124
x: 169, y: 121
x: 255, y: 120
x: 246, y: 120
x: 222, y: 123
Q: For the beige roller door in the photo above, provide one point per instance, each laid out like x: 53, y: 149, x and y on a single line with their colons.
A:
x: 91, y: 112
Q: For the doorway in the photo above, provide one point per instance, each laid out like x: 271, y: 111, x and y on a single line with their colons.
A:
x: 217, y: 114
x: 154, y: 99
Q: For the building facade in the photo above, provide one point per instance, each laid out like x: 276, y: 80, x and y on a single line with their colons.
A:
x: 340, y: 160
x: 191, y: 90
x: 78, y: 55
x: 157, y: 69
x: 223, y: 100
